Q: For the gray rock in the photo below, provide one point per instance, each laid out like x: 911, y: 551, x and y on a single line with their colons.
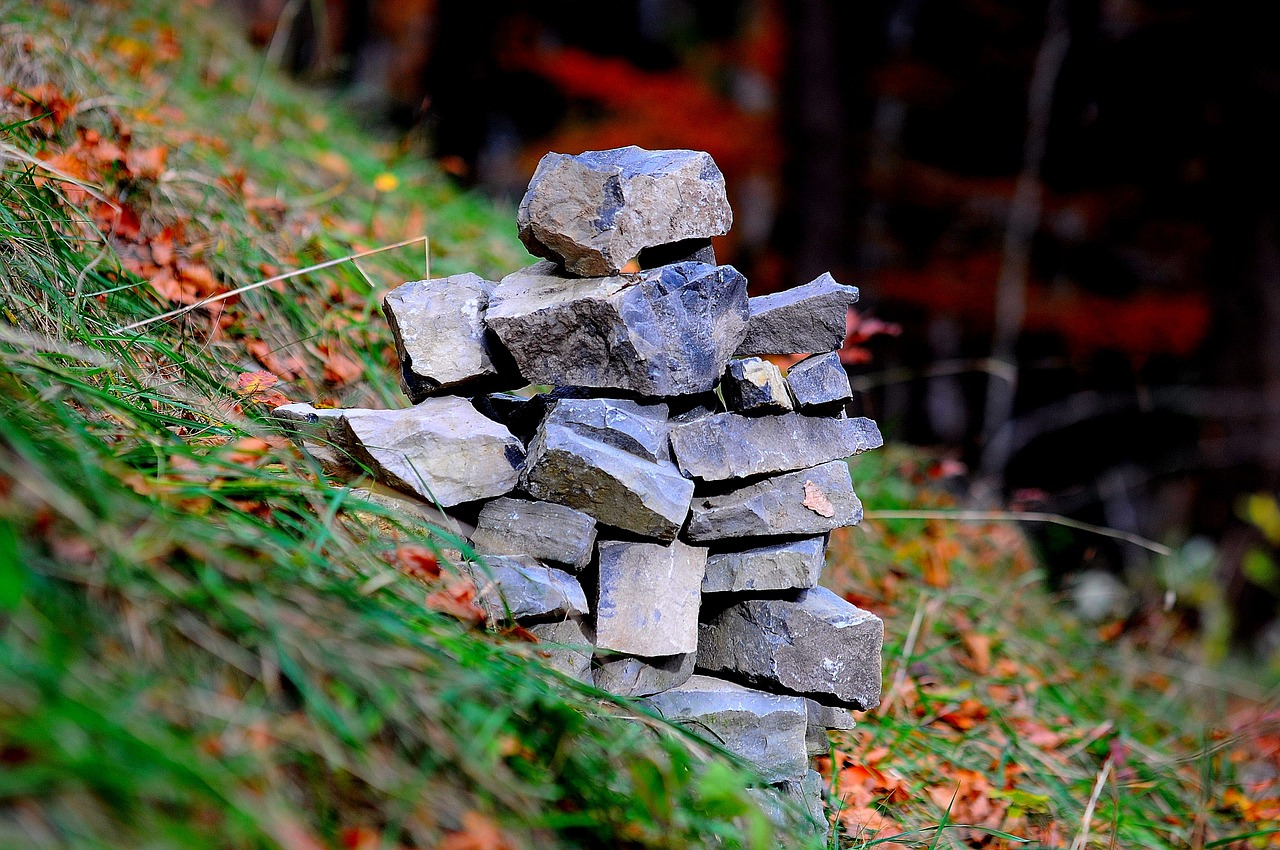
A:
x: 638, y: 429
x: 541, y: 530
x: 599, y: 209
x: 663, y: 332
x: 728, y: 445
x: 687, y: 251
x: 811, y: 501
x: 765, y: 730
x: 440, y: 335
x: 615, y: 487
x: 812, y: 644
x: 518, y: 587
x: 819, y: 382
x: 320, y: 424
x: 752, y: 385
x: 441, y: 449
x: 631, y: 676
x: 807, y: 794
x: 565, y: 645
x: 830, y: 717
x: 780, y: 566
x: 648, y: 597
x: 415, y: 508
x: 800, y: 320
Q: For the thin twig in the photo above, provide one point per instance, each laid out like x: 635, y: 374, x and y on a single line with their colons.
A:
x: 1028, y: 516
x: 908, y: 647
x: 282, y: 276
x: 1083, y: 838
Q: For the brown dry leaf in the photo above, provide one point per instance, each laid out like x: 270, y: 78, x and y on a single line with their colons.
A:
x: 148, y: 162
x: 817, y: 501
x: 339, y: 368
x: 965, y: 716
x: 288, y: 367
x: 457, y: 599
x: 249, y: 451
x: 979, y: 649
x: 414, y: 561
x: 478, y: 833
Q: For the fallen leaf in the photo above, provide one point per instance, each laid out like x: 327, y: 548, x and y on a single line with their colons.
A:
x: 979, y: 649
x: 414, y: 561
x: 457, y: 599
x: 477, y: 833
x: 817, y: 501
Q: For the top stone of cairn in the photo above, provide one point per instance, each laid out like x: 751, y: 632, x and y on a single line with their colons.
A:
x: 595, y: 211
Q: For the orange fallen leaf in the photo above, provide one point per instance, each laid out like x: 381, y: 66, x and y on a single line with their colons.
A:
x: 457, y: 599
x: 979, y: 649
x: 477, y: 833
x: 414, y: 561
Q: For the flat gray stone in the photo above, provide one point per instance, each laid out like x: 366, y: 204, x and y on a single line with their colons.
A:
x: 752, y: 385
x: 823, y: 718
x: 441, y: 449
x: 565, y: 645
x: 648, y: 597
x: 631, y: 676
x: 729, y: 445
x: 801, y: 320
x: 781, y: 566
x: 765, y: 730
x: 542, y: 530
x: 599, y: 209
x: 321, y: 424
x: 812, y: 644
x: 808, y: 502
x: 819, y: 382
x: 617, y: 488
x: 440, y: 335
x: 663, y: 332
x: 808, y: 794
x: 415, y: 508
x: 638, y: 429
x: 518, y: 587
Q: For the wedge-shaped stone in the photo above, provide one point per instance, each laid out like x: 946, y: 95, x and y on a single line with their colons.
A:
x: 599, y: 209
x: 781, y: 566
x: 617, y: 488
x: 812, y: 644
x: 819, y: 382
x: 801, y: 320
x: 728, y: 445
x: 766, y: 730
x: 648, y: 597
x: 565, y: 645
x: 321, y: 424
x: 439, y: 332
x: 441, y: 449
x: 631, y: 676
x: 823, y: 718
x: 810, y: 501
x: 807, y: 794
x: 414, y: 508
x: 542, y: 530
x: 664, y: 332
x: 752, y: 385
x: 638, y: 429
x: 522, y: 588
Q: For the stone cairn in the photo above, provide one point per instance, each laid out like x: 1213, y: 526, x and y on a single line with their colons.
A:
x: 663, y: 539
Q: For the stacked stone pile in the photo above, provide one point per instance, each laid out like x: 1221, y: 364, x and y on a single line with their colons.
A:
x: 658, y: 517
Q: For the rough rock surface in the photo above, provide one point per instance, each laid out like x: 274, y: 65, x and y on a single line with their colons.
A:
x: 819, y: 382
x: 385, y: 497
x: 648, y: 597
x: 808, y: 793
x: 813, y: 644
x: 617, y: 488
x: 526, y: 589
x: 801, y: 320
x: 766, y: 730
x: 780, y: 566
x: 810, y: 501
x: 821, y: 719
x: 663, y: 332
x: 541, y: 530
x: 728, y: 445
x: 323, y: 424
x: 599, y: 209
x: 638, y: 429
x: 567, y: 646
x: 630, y: 676
x: 440, y: 335
x: 752, y: 385
x: 442, y: 449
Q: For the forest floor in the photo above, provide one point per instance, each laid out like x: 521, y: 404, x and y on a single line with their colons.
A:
x: 207, y: 644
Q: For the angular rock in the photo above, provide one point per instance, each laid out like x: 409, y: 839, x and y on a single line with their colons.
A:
x: 800, y: 320
x: 766, y: 730
x: 519, y: 587
x: 687, y: 251
x: 782, y: 566
x: 595, y: 211
x: 752, y: 385
x: 663, y: 332
x: 728, y: 445
x: 322, y: 424
x: 615, y: 487
x: 830, y: 717
x: 520, y: 415
x: 631, y: 676
x: 648, y: 597
x: 442, y: 449
x: 541, y: 530
x: 440, y: 335
x: 819, y: 382
x: 385, y: 497
x: 810, y: 501
x: 638, y: 429
x: 813, y: 644
x: 565, y: 645
x: 808, y: 794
